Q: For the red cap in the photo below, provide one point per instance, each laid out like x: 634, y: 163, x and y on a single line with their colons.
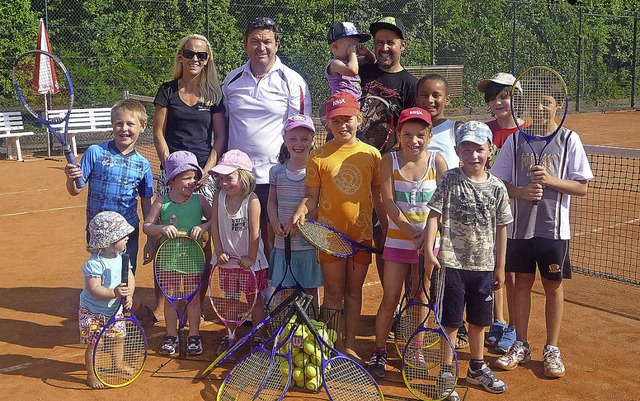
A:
x: 415, y: 113
x: 342, y: 104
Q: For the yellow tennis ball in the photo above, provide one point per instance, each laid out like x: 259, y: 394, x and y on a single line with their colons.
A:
x: 300, y: 383
x: 333, y: 335
x: 316, y: 357
x: 311, y: 371
x: 314, y: 383
x: 284, y: 368
x: 300, y: 359
x: 302, y: 332
x: 309, y: 346
x: 295, y: 351
x: 297, y: 374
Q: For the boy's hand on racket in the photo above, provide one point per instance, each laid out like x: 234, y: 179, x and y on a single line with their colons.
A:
x: 532, y: 192
x: 540, y: 175
x: 279, y: 229
x: 169, y: 231
x: 72, y: 172
x: 246, y: 262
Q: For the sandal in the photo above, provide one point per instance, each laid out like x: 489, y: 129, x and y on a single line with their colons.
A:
x: 462, y: 338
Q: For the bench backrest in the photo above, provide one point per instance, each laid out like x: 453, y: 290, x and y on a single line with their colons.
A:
x: 11, y: 121
x: 452, y: 73
x: 98, y: 119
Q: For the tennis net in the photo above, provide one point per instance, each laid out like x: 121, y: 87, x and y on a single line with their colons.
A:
x: 606, y: 223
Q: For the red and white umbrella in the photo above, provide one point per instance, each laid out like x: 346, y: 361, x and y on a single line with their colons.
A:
x: 44, y: 76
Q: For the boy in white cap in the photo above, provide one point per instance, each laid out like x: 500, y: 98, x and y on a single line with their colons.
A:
x: 473, y: 207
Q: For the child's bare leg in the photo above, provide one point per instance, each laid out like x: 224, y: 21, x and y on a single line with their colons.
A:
x: 476, y: 341
x: 353, y: 306
x: 171, y: 320
x: 194, y: 311
x: 393, y: 281
x: 92, y: 380
x: 522, y: 304
x: 554, y: 306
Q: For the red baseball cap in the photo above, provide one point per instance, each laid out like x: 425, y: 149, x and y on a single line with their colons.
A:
x: 415, y: 113
x: 342, y: 104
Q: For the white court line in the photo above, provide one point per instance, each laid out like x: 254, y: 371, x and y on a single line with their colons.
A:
x: 23, y: 192
x: 597, y: 230
x: 41, y: 210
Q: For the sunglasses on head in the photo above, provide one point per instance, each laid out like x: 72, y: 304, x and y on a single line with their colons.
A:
x: 188, y: 54
x: 266, y: 21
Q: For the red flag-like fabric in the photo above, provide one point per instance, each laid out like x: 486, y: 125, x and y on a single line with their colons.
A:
x: 44, y: 76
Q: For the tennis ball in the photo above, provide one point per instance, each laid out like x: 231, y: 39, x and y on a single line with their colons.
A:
x: 316, y: 357
x: 284, y: 368
x: 295, y: 351
x: 300, y: 359
x: 300, y: 383
x: 297, y: 374
x: 309, y: 346
x: 324, y: 333
x: 302, y: 332
x: 333, y: 335
x: 314, y: 383
x: 311, y: 371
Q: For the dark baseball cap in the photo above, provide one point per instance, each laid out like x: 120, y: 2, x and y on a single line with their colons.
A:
x: 345, y: 29
x: 391, y: 23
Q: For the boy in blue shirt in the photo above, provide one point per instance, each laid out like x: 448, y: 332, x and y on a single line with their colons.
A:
x: 117, y: 175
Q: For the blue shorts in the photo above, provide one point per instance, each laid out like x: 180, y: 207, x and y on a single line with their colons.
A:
x: 473, y: 289
x: 551, y: 256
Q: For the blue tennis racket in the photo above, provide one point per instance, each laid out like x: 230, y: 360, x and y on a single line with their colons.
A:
x: 37, y: 77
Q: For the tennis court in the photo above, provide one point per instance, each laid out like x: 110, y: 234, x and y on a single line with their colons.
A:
x: 43, y: 250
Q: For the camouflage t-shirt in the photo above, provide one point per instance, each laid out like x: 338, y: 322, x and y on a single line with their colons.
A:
x: 470, y: 211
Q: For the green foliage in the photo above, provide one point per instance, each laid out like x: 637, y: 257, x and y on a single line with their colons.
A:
x: 110, y: 46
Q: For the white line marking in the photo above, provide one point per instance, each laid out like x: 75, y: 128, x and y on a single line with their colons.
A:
x: 597, y: 230
x: 23, y: 192
x: 41, y: 210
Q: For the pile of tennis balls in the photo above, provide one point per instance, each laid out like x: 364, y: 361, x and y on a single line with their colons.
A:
x: 307, y: 361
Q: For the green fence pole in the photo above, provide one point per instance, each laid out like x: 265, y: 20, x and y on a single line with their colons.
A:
x: 633, y: 60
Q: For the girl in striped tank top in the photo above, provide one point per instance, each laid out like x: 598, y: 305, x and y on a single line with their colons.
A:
x: 409, y: 177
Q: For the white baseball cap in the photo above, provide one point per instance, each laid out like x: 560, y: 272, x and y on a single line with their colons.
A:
x: 502, y: 78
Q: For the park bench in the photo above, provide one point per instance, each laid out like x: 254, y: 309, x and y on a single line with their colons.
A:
x: 95, y: 120
x: 11, y: 129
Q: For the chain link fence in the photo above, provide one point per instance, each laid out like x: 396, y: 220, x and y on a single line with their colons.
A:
x: 111, y: 46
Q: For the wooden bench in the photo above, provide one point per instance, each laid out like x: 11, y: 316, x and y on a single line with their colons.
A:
x: 96, y: 120
x: 452, y: 73
x: 10, y: 122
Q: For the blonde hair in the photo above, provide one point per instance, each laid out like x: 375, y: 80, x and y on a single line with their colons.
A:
x: 426, y: 130
x: 209, y: 85
x: 247, y: 179
x: 133, y: 107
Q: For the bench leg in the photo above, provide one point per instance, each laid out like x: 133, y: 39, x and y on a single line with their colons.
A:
x: 14, y: 142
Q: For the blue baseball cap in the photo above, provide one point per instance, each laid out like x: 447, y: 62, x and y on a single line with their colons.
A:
x: 473, y: 131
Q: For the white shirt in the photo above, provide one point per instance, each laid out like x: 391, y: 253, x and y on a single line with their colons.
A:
x: 443, y: 142
x: 258, y: 111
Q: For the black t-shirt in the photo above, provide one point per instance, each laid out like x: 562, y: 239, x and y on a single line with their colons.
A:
x: 188, y: 127
x: 398, y: 88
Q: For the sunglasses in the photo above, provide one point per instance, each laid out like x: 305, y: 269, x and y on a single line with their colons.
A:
x: 262, y: 21
x: 188, y: 54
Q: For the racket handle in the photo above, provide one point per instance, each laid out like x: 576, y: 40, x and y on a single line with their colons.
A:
x: 71, y: 159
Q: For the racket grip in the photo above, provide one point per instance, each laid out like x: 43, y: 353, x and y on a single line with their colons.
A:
x: 71, y: 159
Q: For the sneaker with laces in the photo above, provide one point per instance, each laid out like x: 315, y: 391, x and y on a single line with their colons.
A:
x: 169, y: 345
x: 446, y: 384
x: 257, y: 341
x: 553, y: 366
x: 378, y: 364
x: 507, y: 340
x: 224, y: 345
x: 518, y: 353
x: 495, y: 333
x: 194, y: 345
x: 487, y: 379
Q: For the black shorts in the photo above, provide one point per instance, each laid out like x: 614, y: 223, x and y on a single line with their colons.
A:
x: 551, y: 256
x: 262, y: 191
x: 473, y: 289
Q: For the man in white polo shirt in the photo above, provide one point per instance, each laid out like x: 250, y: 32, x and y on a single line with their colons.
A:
x: 259, y: 97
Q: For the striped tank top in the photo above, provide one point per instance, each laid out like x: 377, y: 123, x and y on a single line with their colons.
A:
x: 412, y: 198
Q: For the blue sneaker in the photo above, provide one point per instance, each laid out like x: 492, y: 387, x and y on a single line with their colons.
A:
x: 507, y: 340
x: 495, y: 333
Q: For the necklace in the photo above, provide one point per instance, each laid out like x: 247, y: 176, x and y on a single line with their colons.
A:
x: 179, y: 203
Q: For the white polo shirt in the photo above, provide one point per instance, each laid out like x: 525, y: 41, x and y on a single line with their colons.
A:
x: 258, y: 111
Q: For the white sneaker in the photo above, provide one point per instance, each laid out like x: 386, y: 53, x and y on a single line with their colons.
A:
x: 518, y: 353
x: 553, y: 366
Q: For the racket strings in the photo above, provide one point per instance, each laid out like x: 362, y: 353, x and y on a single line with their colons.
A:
x: 179, y: 267
x: 120, y: 353
x: 229, y: 293
x: 245, y: 378
x: 325, y: 239
x: 425, y: 374
x: 345, y: 380
x: 37, y: 75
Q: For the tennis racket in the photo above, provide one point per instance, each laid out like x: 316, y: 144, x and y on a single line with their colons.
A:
x: 278, y: 313
x: 412, y: 314
x: 179, y: 269
x: 378, y: 121
x: 426, y: 370
x: 233, y: 292
x: 38, y: 74
x: 330, y: 241
x: 121, y: 349
x: 265, y: 373
x: 343, y: 378
x: 282, y: 291
x: 538, y: 94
